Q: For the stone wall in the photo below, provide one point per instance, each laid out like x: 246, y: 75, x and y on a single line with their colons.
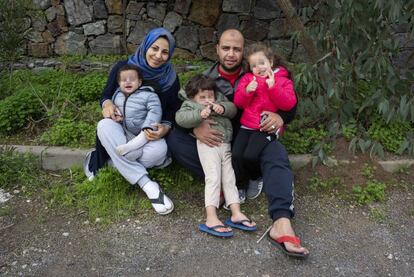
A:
x: 116, y: 26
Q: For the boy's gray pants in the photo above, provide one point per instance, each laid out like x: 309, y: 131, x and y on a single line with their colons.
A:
x: 111, y: 135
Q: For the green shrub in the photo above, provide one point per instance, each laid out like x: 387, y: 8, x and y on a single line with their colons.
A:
x: 391, y: 135
x: 70, y: 133
x: 17, y: 169
x: 373, y: 191
x: 302, y: 141
x: 16, y: 110
x: 316, y: 183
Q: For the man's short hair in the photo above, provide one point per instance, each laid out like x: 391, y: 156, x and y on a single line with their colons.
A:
x: 129, y: 67
x: 197, y: 83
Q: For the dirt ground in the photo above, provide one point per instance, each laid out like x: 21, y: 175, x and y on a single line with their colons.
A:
x: 344, y: 239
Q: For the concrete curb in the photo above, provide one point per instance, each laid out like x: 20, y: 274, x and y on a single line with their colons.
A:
x: 56, y: 158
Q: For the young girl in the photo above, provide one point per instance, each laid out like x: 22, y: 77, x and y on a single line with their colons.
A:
x: 266, y: 88
x: 202, y: 101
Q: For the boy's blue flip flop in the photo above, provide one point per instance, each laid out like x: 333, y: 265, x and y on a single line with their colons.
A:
x: 212, y: 231
x: 239, y: 225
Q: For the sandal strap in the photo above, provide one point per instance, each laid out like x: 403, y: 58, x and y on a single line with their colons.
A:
x: 292, y: 239
x: 159, y: 200
x: 216, y: 227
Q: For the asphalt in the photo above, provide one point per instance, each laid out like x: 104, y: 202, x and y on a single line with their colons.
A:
x: 57, y: 158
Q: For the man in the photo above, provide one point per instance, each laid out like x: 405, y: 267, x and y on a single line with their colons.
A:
x: 274, y: 162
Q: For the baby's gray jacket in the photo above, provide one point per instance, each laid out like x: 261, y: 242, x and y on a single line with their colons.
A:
x: 141, y: 109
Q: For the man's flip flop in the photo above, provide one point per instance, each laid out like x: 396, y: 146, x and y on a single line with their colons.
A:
x: 239, y: 225
x: 212, y: 231
x: 280, y: 243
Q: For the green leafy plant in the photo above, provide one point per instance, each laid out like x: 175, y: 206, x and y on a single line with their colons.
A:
x: 70, y: 133
x: 316, y: 183
x: 368, y: 171
x: 373, y: 191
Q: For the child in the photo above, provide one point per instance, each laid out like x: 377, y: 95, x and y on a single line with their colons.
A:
x: 138, y: 109
x: 203, y: 102
x: 259, y: 91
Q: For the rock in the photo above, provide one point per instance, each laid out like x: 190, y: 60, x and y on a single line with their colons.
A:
x: 255, y: 30
x: 206, y: 35
x: 172, y: 21
x: 133, y: 10
x: 34, y: 36
x: 187, y: 38
x: 38, y: 22
x: 205, y: 13
x: 78, y: 12
x: 140, y: 30
x: 47, y: 36
x: 42, y: 4
x: 267, y: 9
x: 99, y: 9
x: 115, y: 24
x: 70, y: 43
x: 238, y: 6
x: 209, y: 51
x: 114, y: 6
x: 96, y: 28
x: 227, y: 21
x: 106, y: 44
x: 38, y: 49
x: 279, y: 28
x: 156, y: 11
x: 182, y: 6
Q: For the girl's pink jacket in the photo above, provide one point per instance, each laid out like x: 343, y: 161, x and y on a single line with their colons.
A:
x: 279, y: 97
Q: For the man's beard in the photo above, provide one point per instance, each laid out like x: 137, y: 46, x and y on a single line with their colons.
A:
x: 230, y: 69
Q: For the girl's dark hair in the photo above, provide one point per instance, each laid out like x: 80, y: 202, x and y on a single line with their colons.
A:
x: 197, y: 83
x: 278, y: 60
x: 129, y: 67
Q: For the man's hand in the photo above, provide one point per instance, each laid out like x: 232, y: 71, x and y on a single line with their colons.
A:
x: 205, y: 112
x: 208, y: 135
x: 109, y: 110
x: 271, y: 123
x: 252, y: 86
x: 161, y: 131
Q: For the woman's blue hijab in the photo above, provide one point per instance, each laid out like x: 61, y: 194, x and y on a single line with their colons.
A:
x: 165, y: 74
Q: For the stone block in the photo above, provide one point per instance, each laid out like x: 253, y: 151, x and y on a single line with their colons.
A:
x: 99, y: 9
x: 172, y: 21
x: 182, y: 6
x: 279, y: 28
x: 106, y: 44
x: 140, y: 30
x: 227, y: 21
x: 78, y: 12
x: 208, y: 51
x: 115, y: 24
x: 267, y: 9
x: 40, y: 50
x: 133, y: 10
x: 207, y: 35
x: 70, y: 43
x: 299, y: 161
x: 394, y: 166
x: 187, y: 38
x: 47, y: 37
x: 55, y: 158
x: 96, y: 28
x: 205, y: 13
x: 255, y: 30
x: 156, y: 11
x: 114, y: 6
x: 236, y: 6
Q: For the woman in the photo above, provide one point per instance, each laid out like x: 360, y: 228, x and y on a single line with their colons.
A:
x: 153, y: 59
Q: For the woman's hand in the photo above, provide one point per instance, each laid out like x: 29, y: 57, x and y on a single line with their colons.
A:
x: 109, y: 110
x: 162, y: 130
x: 208, y: 135
x: 271, y: 123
